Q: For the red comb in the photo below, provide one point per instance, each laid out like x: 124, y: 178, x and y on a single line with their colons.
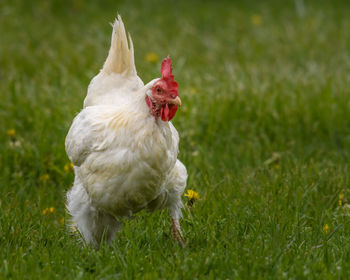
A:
x: 166, y: 71
x: 166, y: 68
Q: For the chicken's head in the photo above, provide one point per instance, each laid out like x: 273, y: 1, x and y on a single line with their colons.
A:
x: 164, y: 98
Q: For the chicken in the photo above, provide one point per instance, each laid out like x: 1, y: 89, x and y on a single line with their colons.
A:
x: 124, y: 147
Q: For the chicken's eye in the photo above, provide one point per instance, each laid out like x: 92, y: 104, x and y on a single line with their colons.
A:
x: 159, y: 90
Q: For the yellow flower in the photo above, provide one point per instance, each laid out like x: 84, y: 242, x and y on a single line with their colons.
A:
x: 49, y: 210
x: 277, y: 166
x: 151, y: 57
x: 193, y: 90
x: 256, y: 19
x: 44, y: 178
x: 326, y: 229
x: 11, y: 132
x: 192, y: 196
x: 68, y: 167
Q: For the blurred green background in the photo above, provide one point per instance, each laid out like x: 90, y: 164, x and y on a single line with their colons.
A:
x: 264, y: 129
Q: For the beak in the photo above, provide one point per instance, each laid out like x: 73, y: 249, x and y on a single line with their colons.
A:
x: 176, y: 101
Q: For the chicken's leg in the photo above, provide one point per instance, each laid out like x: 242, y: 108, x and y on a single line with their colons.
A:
x: 176, y: 231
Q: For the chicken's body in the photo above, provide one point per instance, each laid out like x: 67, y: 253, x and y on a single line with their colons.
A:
x: 125, y: 158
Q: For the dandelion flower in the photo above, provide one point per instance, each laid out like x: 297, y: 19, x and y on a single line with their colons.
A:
x: 192, y: 196
x: 256, y: 19
x: 49, y: 210
x: 193, y: 90
x: 277, y: 166
x: 44, y: 177
x: 68, y: 167
x: 326, y: 229
x: 11, y: 132
x: 151, y: 57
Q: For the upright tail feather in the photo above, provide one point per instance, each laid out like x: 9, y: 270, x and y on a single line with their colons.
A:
x: 120, y: 58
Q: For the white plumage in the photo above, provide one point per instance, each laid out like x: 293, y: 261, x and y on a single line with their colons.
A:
x: 124, y: 154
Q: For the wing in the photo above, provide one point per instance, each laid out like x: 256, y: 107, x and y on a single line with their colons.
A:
x: 87, y: 134
x: 80, y: 139
x: 118, y: 77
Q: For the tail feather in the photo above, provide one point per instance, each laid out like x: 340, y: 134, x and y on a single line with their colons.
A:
x: 120, y: 58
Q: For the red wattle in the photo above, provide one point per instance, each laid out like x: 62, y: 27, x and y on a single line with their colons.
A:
x: 164, y: 113
x: 172, y: 112
x: 167, y: 113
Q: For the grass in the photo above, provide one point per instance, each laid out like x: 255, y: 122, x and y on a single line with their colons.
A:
x: 265, y: 136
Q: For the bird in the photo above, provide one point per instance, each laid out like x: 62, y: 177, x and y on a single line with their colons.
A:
x: 124, y: 147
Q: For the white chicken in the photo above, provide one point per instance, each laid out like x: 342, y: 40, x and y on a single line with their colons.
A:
x: 124, y: 147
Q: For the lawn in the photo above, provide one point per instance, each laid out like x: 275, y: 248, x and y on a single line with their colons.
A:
x: 264, y: 127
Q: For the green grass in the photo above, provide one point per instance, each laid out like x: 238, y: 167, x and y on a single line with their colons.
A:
x: 265, y: 136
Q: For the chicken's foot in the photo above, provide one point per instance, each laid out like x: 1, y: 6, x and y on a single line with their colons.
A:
x: 177, y: 233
